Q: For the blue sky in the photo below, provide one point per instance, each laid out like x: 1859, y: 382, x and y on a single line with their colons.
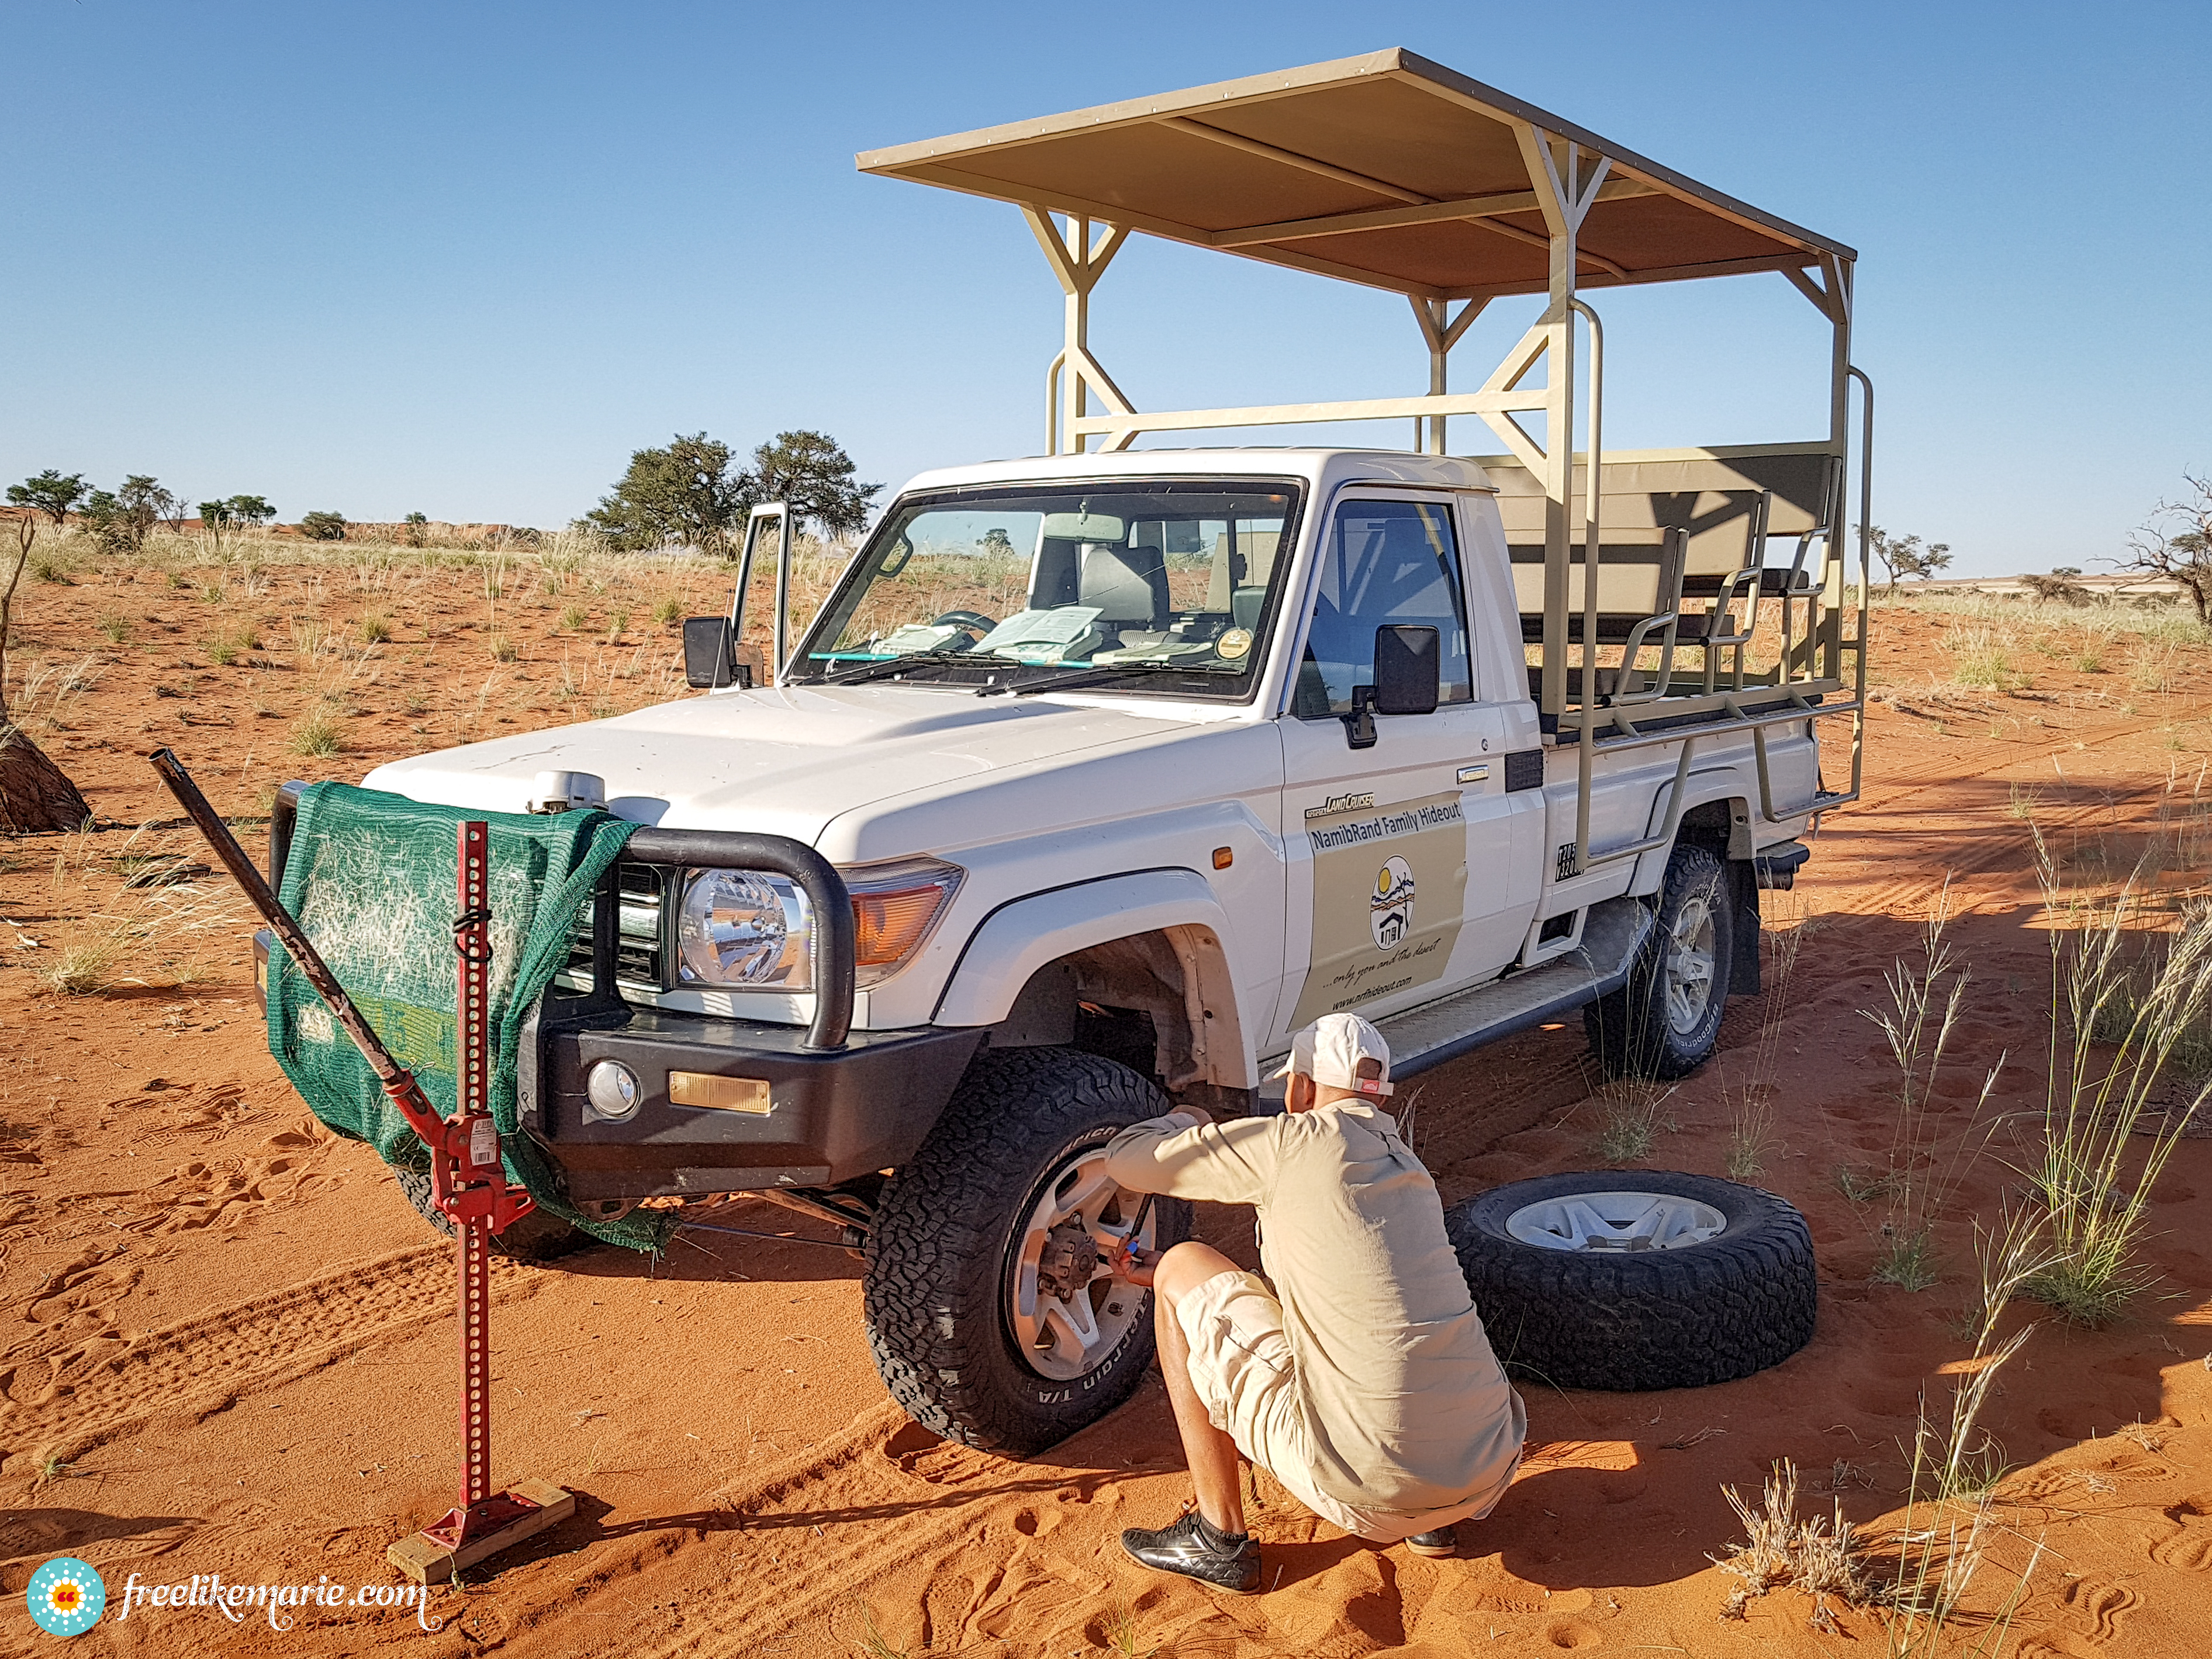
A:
x: 463, y: 258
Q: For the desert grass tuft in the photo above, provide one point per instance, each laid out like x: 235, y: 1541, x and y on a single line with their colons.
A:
x: 2102, y: 1145
x: 1631, y: 1116
x: 374, y: 628
x: 1819, y: 1555
x: 1928, y: 1153
x: 1752, y: 1138
x: 318, y: 734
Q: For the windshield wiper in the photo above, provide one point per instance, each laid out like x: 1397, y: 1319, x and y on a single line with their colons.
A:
x: 886, y: 666
x: 1070, y: 679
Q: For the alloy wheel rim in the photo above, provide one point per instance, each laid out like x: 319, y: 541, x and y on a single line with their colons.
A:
x: 1689, y: 965
x: 1066, y: 1321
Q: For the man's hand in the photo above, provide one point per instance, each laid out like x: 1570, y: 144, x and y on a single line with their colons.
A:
x: 1136, y: 1266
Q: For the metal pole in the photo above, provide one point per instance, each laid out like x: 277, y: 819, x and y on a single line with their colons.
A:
x: 1593, y: 543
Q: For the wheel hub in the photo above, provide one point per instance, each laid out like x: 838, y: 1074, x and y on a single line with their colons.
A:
x: 1068, y: 1261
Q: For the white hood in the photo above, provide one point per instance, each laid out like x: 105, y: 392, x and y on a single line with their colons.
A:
x: 778, y: 761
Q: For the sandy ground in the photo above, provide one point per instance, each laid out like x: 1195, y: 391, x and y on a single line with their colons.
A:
x: 227, y: 1345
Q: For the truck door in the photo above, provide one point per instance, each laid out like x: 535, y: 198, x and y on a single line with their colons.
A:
x: 1395, y: 853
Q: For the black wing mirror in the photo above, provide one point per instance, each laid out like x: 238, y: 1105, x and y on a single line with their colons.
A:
x: 1408, y: 680
x: 710, y: 656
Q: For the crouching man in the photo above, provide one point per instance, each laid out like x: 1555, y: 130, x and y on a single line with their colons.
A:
x: 1363, y: 1380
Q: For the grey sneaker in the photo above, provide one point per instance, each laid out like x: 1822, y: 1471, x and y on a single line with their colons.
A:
x: 1194, y: 1548
x: 1444, y: 1541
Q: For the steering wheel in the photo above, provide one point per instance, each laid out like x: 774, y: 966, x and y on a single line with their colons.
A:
x: 963, y: 619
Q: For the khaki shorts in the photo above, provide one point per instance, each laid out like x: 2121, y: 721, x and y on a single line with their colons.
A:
x: 1242, y: 1366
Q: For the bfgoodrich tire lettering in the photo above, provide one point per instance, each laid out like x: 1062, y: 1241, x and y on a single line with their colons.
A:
x: 1640, y: 1319
x: 941, y: 1250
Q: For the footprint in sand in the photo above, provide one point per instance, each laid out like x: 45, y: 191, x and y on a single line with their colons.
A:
x: 2103, y: 1602
x: 2188, y: 1545
x: 2054, y: 1644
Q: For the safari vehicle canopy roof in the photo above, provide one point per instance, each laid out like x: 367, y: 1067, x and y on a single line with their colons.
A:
x: 1395, y: 173
x: 1386, y: 169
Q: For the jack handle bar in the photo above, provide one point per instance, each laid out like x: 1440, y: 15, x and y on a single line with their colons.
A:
x: 406, y: 1094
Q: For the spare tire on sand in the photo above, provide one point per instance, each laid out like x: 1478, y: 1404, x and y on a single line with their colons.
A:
x: 1636, y: 1279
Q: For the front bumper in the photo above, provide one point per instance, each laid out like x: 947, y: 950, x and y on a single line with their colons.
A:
x: 833, y: 1114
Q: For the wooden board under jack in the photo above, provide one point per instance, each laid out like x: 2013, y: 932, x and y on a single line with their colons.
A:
x: 428, y: 1562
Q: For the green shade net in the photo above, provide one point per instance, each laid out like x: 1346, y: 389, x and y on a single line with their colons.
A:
x: 372, y: 878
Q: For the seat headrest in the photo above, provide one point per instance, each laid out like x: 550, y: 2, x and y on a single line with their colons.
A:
x: 1127, y: 585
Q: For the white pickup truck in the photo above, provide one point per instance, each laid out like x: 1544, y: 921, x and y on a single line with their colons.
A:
x: 1099, y: 774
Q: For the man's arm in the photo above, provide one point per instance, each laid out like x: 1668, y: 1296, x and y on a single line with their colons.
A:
x: 1185, y: 1155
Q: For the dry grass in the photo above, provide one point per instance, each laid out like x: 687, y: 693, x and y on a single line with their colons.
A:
x: 1752, y: 1135
x: 318, y: 734
x: 2092, y: 1166
x: 1929, y: 1151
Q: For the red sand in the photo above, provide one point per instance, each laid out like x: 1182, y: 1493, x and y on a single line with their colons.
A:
x: 225, y: 1344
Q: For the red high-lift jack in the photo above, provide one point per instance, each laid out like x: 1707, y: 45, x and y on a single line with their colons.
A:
x: 467, y: 1180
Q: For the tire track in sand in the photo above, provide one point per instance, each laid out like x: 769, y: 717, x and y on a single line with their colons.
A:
x: 88, y: 1390
x: 856, y: 1475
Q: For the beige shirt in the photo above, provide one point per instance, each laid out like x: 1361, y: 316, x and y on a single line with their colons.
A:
x: 1405, y: 1403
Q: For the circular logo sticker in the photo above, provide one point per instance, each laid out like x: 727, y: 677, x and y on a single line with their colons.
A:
x: 66, y: 1596
x: 1390, y: 911
x: 1235, y: 643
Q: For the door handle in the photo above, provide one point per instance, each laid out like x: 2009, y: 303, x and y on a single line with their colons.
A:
x: 1477, y: 773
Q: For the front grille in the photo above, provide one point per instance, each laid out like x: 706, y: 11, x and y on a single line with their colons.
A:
x: 639, y: 957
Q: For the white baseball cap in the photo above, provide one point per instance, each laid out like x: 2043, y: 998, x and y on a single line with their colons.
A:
x: 1330, y: 1050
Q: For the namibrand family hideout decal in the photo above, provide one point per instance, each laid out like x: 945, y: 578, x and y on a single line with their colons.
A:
x: 1388, y: 888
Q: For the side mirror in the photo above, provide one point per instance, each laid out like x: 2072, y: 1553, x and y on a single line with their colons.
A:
x: 1408, y: 680
x: 1408, y: 671
x: 709, y: 658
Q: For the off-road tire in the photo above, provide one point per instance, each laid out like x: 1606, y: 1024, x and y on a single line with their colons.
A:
x: 1628, y: 1320
x: 1630, y: 1030
x: 933, y: 1286
x: 536, y: 1236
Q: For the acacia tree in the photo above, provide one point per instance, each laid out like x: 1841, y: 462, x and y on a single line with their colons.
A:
x: 34, y: 792
x: 234, y: 512
x: 2176, y: 543
x: 688, y: 496
x: 1904, y: 557
x: 811, y: 472
x: 684, y: 495
x: 49, y: 493
x: 124, y: 518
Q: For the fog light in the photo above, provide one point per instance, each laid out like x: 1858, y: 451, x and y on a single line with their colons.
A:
x: 611, y: 1091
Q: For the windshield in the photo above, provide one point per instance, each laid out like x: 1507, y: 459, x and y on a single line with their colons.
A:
x: 1165, y: 587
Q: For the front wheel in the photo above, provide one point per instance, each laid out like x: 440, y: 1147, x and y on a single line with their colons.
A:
x: 991, y: 1310
x: 1666, y: 1021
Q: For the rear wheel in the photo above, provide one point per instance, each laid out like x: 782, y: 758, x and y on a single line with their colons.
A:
x: 991, y: 1310
x: 1665, y: 1022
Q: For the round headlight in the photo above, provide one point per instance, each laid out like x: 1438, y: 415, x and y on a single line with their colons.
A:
x: 611, y: 1088
x: 741, y: 927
